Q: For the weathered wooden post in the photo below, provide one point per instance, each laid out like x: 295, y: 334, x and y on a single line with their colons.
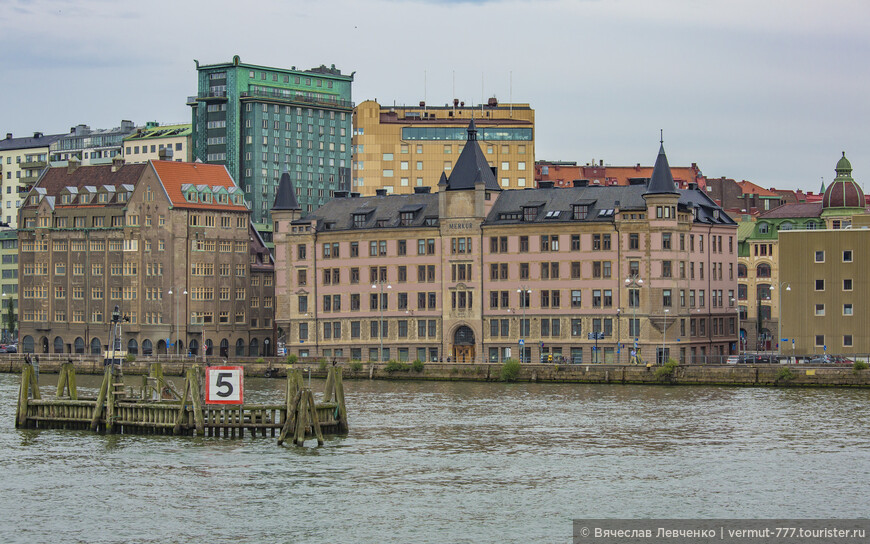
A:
x: 329, y: 388
x: 339, y: 398
x: 179, y: 418
x: 196, y: 396
x: 66, y: 382
x: 101, y: 399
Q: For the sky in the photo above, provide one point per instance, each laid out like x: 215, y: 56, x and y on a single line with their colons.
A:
x: 764, y: 90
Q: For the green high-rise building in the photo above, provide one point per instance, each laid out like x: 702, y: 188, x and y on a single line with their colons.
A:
x: 261, y: 122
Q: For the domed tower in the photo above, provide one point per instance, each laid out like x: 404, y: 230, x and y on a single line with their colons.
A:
x: 844, y: 196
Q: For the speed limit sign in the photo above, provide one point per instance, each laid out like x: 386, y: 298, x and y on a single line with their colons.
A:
x: 224, y: 385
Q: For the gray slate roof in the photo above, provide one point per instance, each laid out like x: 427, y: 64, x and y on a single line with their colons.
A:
x: 661, y: 181
x: 339, y: 212
x: 29, y: 142
x: 471, y: 166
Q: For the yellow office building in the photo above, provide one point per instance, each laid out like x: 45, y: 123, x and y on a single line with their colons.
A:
x: 398, y: 148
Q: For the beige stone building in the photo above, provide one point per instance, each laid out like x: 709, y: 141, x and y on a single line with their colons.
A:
x: 477, y: 273
x: 170, y: 244
x: 155, y: 142
x: 398, y: 148
x: 22, y: 160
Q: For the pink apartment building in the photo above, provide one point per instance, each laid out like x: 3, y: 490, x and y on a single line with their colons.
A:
x: 475, y: 273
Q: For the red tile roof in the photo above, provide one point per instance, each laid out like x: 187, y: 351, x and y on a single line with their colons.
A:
x: 750, y: 188
x: 175, y: 174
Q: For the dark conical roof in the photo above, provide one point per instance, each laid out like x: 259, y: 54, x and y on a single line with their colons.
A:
x: 285, y: 198
x: 471, y: 166
x: 662, y: 181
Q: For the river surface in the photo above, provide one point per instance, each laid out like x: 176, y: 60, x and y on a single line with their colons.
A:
x: 446, y: 462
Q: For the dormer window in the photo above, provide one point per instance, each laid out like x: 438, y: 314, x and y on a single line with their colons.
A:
x: 84, y: 199
x: 359, y: 220
x: 122, y: 197
x: 530, y: 213
x: 381, y: 223
x: 34, y: 199
x: 431, y: 221
x: 191, y: 196
x: 66, y: 199
x: 580, y: 211
x: 405, y: 218
x: 103, y: 198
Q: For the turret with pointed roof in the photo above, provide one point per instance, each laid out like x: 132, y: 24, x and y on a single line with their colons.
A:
x: 285, y: 197
x: 661, y: 182
x: 471, y: 167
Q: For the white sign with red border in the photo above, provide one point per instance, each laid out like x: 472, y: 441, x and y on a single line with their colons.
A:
x: 224, y: 385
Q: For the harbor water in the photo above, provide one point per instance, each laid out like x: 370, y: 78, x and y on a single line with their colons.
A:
x: 446, y: 462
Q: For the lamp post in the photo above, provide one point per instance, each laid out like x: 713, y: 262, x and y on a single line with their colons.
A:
x: 618, y: 334
x: 177, y: 326
x: 380, y: 284
x: 664, y: 332
x: 738, y: 326
x: 634, y: 281
x: 779, y: 317
x: 523, y: 291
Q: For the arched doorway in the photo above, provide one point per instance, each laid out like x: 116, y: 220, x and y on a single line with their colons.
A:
x: 463, y: 345
x: 161, y: 347
x: 96, y: 346
x: 254, y: 349
x: 240, y: 348
x: 267, y: 348
x: 194, y: 348
x: 147, y: 350
x: 79, y: 345
x: 58, y: 344
x: 44, y: 343
x: 133, y: 347
x: 207, y: 348
x: 225, y: 348
x: 27, y: 344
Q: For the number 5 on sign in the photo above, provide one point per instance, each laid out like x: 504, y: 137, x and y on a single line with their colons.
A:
x: 224, y: 385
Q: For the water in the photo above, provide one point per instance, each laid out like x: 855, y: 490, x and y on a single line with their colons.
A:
x: 446, y: 462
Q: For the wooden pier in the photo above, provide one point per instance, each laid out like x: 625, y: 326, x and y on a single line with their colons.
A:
x: 156, y: 408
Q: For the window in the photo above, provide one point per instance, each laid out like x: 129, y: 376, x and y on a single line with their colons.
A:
x: 847, y: 340
x: 634, y: 241
x: 820, y: 256
x: 576, y: 298
x: 820, y: 285
x: 847, y: 309
x: 847, y: 256
x: 666, y: 298
x: 524, y: 244
x: 820, y: 340
x: 820, y: 309
x: 847, y: 285
x: 666, y: 240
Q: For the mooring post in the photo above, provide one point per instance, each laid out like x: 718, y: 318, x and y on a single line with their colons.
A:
x: 101, y: 399
x: 290, y: 419
x: 329, y: 388
x: 23, y: 394
x: 196, y: 396
x: 179, y: 418
x: 339, y: 398
x: 315, y: 422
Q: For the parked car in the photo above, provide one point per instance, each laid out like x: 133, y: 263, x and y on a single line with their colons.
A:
x: 757, y: 359
x: 732, y: 360
x: 820, y: 360
x: 8, y: 348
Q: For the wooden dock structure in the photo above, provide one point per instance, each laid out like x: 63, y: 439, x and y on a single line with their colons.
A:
x: 156, y: 408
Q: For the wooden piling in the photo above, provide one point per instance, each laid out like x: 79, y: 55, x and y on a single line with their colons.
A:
x: 23, y: 395
x: 196, y: 396
x: 339, y: 399
x: 179, y: 418
x: 101, y: 399
x: 312, y: 415
x: 329, y: 388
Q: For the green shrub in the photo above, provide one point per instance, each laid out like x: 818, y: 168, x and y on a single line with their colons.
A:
x: 510, y: 370
x: 860, y: 365
x: 292, y: 359
x: 785, y: 375
x: 356, y: 366
x: 666, y: 371
x: 261, y: 360
x: 130, y: 358
x: 417, y: 366
x: 322, y: 366
x: 396, y: 366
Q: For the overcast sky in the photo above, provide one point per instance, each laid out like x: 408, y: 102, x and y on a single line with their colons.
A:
x: 769, y: 91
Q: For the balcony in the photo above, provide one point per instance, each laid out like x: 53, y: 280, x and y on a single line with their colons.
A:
x: 207, y: 97
x: 291, y: 97
x: 28, y: 180
x: 28, y: 165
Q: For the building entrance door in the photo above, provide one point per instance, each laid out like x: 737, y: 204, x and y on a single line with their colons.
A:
x: 463, y: 345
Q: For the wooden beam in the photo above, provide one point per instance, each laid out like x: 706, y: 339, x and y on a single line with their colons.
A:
x: 101, y: 399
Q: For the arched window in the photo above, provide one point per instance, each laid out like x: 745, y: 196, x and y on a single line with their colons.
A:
x: 44, y: 342
x: 133, y: 347
x: 786, y: 226
x: 27, y: 344
x: 146, y: 347
x: 194, y: 347
x: 79, y: 345
x: 161, y: 347
x: 763, y: 228
x: 240, y: 348
x: 208, y: 346
x: 225, y: 348
x: 762, y: 270
x: 254, y: 348
x: 96, y: 346
x: 741, y: 270
x: 58, y: 344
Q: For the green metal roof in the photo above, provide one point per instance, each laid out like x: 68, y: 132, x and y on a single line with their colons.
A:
x: 158, y: 132
x: 745, y: 230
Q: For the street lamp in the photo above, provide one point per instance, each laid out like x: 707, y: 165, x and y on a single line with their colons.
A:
x: 779, y: 318
x: 380, y: 284
x: 738, y: 326
x: 618, y: 334
x: 523, y: 291
x: 664, y: 332
x: 634, y: 281
x: 177, y: 325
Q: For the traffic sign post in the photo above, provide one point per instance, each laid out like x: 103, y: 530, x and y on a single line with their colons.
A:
x: 224, y: 385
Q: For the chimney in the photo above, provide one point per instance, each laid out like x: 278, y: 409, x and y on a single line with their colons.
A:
x: 8, y: 135
x: 422, y: 103
x: 72, y: 164
x: 545, y: 184
x: 340, y: 194
x: 581, y: 182
x: 492, y: 102
x: 37, y: 135
x: 165, y: 154
x: 601, y: 162
x: 455, y: 102
x: 637, y: 167
x: 462, y: 104
x: 117, y: 162
x: 354, y: 195
x: 422, y: 190
x: 381, y: 192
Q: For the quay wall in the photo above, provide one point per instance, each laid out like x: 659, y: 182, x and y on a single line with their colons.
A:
x: 768, y: 375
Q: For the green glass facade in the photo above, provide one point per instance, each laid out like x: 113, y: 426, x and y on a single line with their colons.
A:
x: 261, y: 121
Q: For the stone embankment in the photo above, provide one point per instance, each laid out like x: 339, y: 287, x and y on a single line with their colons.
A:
x: 740, y: 375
